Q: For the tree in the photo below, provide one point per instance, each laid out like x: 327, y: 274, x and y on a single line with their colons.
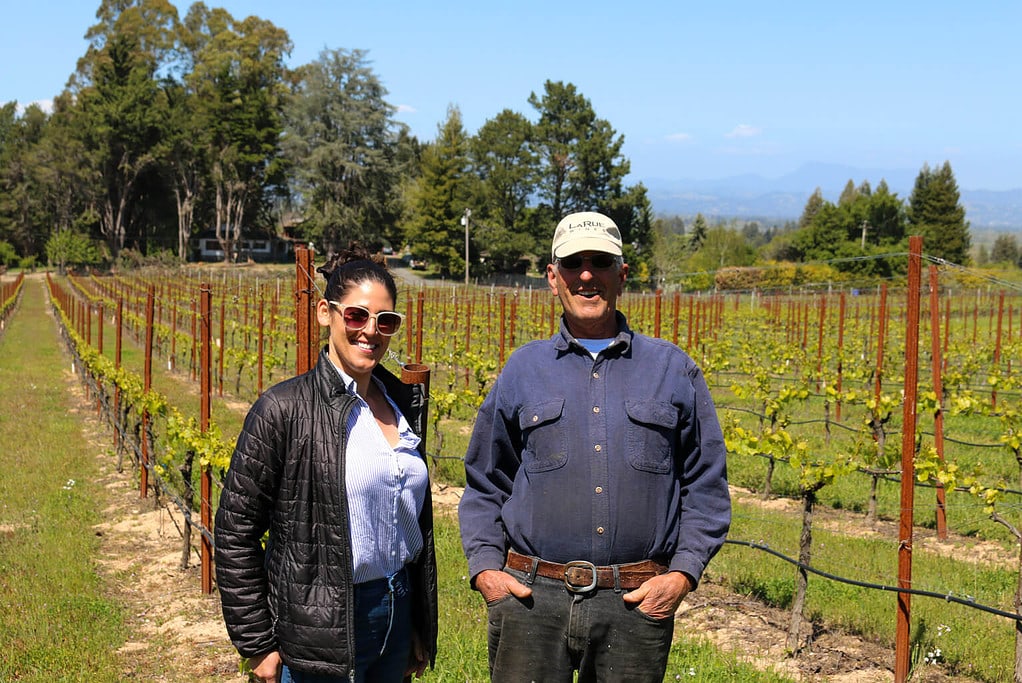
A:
x: 849, y: 194
x: 238, y: 75
x: 341, y: 144
x: 120, y: 118
x: 721, y: 246
x: 697, y: 235
x: 1005, y: 250
x: 70, y: 248
x: 439, y: 197
x: 582, y: 168
x: 935, y: 212
x: 23, y: 207
x: 505, y: 159
x: 669, y: 249
x: 813, y: 206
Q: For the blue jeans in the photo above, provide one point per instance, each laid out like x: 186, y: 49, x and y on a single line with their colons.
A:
x: 383, y: 634
x: 554, y: 632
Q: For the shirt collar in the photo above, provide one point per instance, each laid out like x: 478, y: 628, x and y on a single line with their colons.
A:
x: 351, y: 386
x: 622, y: 341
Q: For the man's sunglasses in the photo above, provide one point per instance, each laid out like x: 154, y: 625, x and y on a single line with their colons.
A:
x: 357, y: 317
x: 596, y: 261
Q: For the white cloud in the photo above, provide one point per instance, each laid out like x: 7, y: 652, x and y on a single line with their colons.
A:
x: 679, y: 137
x: 744, y: 130
x: 45, y: 105
x: 405, y: 109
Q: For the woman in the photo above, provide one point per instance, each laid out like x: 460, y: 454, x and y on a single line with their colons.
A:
x: 329, y: 463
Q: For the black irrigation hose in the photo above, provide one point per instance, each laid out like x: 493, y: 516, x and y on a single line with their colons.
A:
x: 948, y: 597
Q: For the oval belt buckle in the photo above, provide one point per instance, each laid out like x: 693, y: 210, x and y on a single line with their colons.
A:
x: 580, y: 564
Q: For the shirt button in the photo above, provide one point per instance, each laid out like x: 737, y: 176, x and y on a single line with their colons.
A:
x: 599, y: 489
x: 596, y: 409
x: 599, y: 530
x: 598, y: 448
x: 535, y: 418
x: 596, y: 375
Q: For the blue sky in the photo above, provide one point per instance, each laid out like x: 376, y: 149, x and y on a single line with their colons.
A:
x: 699, y: 90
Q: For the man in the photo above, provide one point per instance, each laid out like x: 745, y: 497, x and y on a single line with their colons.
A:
x: 596, y: 484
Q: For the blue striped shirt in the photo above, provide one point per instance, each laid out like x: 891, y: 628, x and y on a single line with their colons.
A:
x: 386, y: 490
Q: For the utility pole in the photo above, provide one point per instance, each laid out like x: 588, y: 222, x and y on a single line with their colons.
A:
x: 865, y: 224
x: 464, y: 221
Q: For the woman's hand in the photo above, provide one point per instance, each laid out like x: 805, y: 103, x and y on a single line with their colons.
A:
x: 267, y: 667
x: 417, y: 659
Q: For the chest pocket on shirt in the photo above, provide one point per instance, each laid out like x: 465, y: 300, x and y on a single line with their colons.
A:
x: 546, y: 446
x: 652, y: 427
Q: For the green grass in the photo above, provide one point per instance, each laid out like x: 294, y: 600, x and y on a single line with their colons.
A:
x: 972, y: 642
x: 57, y: 624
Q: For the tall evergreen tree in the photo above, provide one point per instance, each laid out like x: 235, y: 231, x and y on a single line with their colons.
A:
x: 849, y: 194
x: 813, y: 206
x: 1005, y: 250
x: 697, y: 233
x: 582, y: 165
x: 504, y: 158
x: 438, y: 199
x: 341, y: 142
x: 936, y: 213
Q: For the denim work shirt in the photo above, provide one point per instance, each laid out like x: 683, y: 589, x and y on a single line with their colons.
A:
x: 613, y: 460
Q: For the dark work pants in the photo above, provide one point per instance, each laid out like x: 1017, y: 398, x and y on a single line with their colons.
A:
x: 554, y: 632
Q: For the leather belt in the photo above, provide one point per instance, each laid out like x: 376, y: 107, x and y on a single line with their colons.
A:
x: 580, y: 576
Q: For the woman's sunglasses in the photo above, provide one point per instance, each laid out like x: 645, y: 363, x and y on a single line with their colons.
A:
x: 596, y: 261
x: 357, y: 317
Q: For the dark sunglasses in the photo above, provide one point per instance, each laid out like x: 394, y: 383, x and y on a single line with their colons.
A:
x: 357, y: 317
x: 596, y: 261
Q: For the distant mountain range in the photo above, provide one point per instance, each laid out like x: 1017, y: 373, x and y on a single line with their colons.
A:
x: 778, y: 199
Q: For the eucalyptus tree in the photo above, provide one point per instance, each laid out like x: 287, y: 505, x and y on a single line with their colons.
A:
x: 22, y: 206
x: 437, y: 199
x: 342, y: 144
x: 504, y: 157
x: 119, y: 117
x: 238, y: 79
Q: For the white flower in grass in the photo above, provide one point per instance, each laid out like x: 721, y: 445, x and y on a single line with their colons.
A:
x: 69, y: 485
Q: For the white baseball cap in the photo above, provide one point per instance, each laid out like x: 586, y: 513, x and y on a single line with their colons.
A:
x: 586, y: 231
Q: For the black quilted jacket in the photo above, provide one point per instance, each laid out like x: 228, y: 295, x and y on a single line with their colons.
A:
x: 287, y: 476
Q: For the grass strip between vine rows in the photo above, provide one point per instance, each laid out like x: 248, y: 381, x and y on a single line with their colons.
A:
x: 58, y: 624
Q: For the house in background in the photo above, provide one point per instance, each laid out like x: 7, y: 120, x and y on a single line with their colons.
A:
x: 258, y: 248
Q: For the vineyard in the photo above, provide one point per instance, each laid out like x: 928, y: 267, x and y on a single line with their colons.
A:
x: 813, y: 388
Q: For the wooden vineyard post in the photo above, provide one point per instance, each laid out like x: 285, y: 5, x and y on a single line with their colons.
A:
x: 840, y: 352
x: 657, y: 312
x: 147, y: 383
x: 261, y: 349
x: 408, y: 329
x: 675, y: 312
x: 938, y: 389
x: 99, y: 346
x: 305, y: 312
x: 118, y: 334
x: 503, y: 327
x: 419, y: 303
x: 997, y: 346
x: 902, y: 647
x: 881, y: 333
x: 220, y: 350
x: 206, y: 482
x: 417, y: 373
